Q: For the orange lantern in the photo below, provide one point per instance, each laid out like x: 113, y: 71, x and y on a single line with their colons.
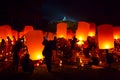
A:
x: 15, y: 34
x: 61, y: 30
x: 105, y: 36
x: 5, y: 31
x: 27, y: 29
x: 82, y: 31
x: 34, y: 41
x: 21, y: 34
x: 92, y: 30
x: 116, y: 32
x: 50, y: 36
x: 70, y: 34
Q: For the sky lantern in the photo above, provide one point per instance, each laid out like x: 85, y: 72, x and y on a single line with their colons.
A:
x: 50, y: 36
x: 27, y: 29
x: 82, y: 31
x: 8, y: 30
x: 5, y: 30
x: 92, y: 30
x: 61, y: 30
x: 34, y: 41
x: 105, y: 36
x: 21, y: 34
x: 116, y: 32
x: 15, y: 33
x: 70, y: 34
x: 45, y: 33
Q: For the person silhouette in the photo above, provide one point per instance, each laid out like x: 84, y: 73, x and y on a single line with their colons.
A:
x: 27, y: 64
x: 15, y: 50
x: 47, y: 52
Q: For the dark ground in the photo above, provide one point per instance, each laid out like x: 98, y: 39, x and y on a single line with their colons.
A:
x: 67, y: 72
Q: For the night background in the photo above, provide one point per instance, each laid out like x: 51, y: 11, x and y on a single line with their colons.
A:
x: 41, y: 13
x: 72, y: 59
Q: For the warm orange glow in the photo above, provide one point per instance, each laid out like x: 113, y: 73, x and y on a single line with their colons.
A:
x: 80, y: 42
x: 116, y: 37
x: 61, y: 30
x: 116, y: 32
x: 70, y: 34
x: 50, y: 36
x: 105, y: 36
x: 34, y: 43
x: 92, y: 30
x: 21, y: 34
x: 82, y: 31
x: 5, y: 30
x: 27, y: 29
x: 15, y: 33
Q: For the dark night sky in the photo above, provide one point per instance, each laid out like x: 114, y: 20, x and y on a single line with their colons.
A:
x: 18, y: 13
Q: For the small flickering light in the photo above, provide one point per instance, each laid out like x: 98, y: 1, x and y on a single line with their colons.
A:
x: 2, y: 51
x: 82, y: 65
x: 77, y: 54
x: 80, y: 61
x: 6, y: 53
x: 37, y: 64
x: 1, y: 55
x: 6, y: 59
x: 100, y: 62
x: 10, y: 52
x: 60, y: 64
x: 21, y: 40
x: 40, y: 61
x: 12, y: 42
x: 90, y: 54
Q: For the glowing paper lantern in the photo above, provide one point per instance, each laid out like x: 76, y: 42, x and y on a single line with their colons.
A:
x: 50, y: 36
x: 27, y: 29
x: 15, y: 33
x: 82, y: 31
x: 70, y: 34
x: 34, y: 41
x: 105, y: 36
x: 116, y: 32
x: 92, y: 29
x: 61, y: 30
x: 5, y: 31
x: 21, y: 34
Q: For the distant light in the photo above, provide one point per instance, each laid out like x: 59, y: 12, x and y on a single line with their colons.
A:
x: 64, y: 18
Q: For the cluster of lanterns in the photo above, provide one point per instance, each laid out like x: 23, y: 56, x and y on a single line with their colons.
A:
x: 33, y: 38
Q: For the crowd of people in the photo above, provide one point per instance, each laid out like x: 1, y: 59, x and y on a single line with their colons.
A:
x: 68, y: 50
x: 58, y: 50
